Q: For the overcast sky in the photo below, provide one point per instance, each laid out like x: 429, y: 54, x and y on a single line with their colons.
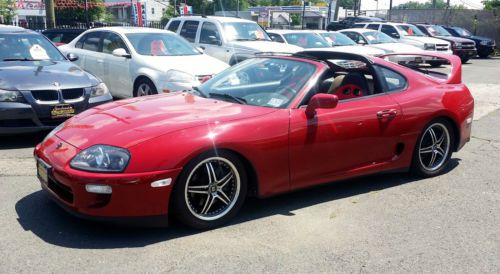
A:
x: 384, y: 4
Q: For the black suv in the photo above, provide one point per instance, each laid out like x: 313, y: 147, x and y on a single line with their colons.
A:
x: 484, y: 45
x: 349, y: 22
x: 39, y: 86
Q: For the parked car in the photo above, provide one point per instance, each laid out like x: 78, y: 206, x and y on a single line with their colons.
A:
x: 228, y: 39
x: 349, y: 22
x: 382, y: 41
x: 136, y: 61
x: 305, y: 39
x: 464, y: 48
x: 62, y: 36
x: 268, y: 125
x: 39, y: 86
x: 341, y: 43
x: 485, y: 46
x: 411, y: 35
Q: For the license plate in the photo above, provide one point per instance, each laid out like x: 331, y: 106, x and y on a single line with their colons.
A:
x: 62, y: 111
x: 43, y: 172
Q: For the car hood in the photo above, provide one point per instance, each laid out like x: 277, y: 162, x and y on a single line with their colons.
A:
x: 194, y: 64
x: 479, y: 38
x: 426, y: 39
x: 40, y: 75
x: 126, y: 123
x: 263, y: 46
x: 396, y: 48
x: 454, y: 39
x: 368, y: 50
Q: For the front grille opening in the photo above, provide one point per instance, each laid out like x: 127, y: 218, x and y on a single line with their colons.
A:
x: 75, y: 93
x: 62, y: 191
x: 45, y: 95
x: 100, y: 200
x: 52, y: 122
x: 17, y: 123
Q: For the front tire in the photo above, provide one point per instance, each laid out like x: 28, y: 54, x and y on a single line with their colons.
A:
x: 144, y: 87
x: 464, y: 59
x: 210, y: 191
x: 433, y: 149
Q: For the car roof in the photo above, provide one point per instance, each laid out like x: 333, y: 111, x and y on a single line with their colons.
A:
x: 221, y: 19
x: 12, y: 29
x: 124, y: 30
x: 360, y: 30
x: 65, y: 30
x: 286, y: 31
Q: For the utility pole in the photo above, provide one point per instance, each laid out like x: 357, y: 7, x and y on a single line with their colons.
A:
x: 433, y: 4
x: 336, y: 15
x: 50, y: 17
x: 390, y: 10
x: 238, y: 9
x: 303, y: 13
x: 87, y: 14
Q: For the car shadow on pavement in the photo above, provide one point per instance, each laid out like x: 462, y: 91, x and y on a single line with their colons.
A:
x: 22, y: 140
x: 39, y: 214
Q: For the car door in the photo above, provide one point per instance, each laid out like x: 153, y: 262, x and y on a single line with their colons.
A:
x: 93, y: 59
x: 117, y: 73
x: 210, y: 40
x: 359, y: 135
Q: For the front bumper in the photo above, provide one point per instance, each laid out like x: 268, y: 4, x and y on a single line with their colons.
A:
x: 132, y: 195
x: 465, y: 53
x: 31, y: 116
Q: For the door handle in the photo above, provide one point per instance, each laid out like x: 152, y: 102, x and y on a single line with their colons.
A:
x: 388, y: 113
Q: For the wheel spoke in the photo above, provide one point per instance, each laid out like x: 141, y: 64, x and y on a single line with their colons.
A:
x: 433, y: 136
x: 426, y: 150
x: 208, y: 204
x: 223, y: 197
x: 198, y: 191
x: 210, y: 173
x: 433, y: 159
x: 440, y: 151
x: 225, y: 180
x: 441, y: 139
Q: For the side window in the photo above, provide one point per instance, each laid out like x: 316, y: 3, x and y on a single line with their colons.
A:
x: 373, y: 26
x: 112, y: 41
x: 390, y: 30
x: 276, y: 37
x: 209, y: 34
x: 188, y: 30
x: 356, y: 37
x: 91, y: 41
x: 79, y: 44
x: 393, y: 80
x: 359, y: 25
x: 174, y: 25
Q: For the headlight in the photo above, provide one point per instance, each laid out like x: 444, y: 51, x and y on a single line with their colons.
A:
x: 179, y: 76
x: 53, y: 132
x: 429, y: 46
x: 99, y: 90
x: 11, y: 96
x: 486, y: 42
x: 101, y: 158
x: 457, y: 45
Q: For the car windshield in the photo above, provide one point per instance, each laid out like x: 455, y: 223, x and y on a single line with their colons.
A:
x: 27, y: 47
x: 410, y: 30
x: 160, y: 44
x: 306, y: 40
x: 266, y: 82
x: 438, y: 31
x: 243, y: 31
x: 377, y: 37
x: 337, y: 39
x: 463, y: 32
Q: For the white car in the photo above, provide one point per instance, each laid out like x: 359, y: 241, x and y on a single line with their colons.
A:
x: 382, y: 41
x: 142, y: 61
x: 228, y: 39
x: 411, y: 35
x: 321, y: 40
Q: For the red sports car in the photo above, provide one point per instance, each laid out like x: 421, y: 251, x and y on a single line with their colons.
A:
x: 265, y: 126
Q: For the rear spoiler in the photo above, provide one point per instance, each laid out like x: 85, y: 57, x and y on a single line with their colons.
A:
x: 455, y: 76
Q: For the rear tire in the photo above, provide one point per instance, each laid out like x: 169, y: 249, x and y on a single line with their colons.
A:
x: 210, y: 190
x: 464, y: 59
x: 433, y: 149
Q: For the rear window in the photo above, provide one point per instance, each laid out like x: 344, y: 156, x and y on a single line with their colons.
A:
x: 188, y: 30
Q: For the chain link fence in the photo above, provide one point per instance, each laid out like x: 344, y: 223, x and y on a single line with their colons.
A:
x: 41, y: 26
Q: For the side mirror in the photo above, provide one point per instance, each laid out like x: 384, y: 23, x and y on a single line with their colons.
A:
x: 201, y: 49
x: 120, y: 52
x: 72, y: 57
x: 214, y: 40
x: 395, y: 35
x: 321, y: 100
x: 362, y: 42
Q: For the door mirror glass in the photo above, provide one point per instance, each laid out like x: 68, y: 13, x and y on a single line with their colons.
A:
x: 120, y: 52
x: 72, y: 57
x: 321, y: 100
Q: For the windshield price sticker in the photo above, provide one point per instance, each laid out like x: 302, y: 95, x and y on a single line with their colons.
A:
x: 38, y: 53
x: 275, y: 102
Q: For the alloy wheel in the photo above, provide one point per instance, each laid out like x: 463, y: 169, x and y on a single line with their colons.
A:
x: 144, y: 90
x: 434, y: 147
x: 212, y: 188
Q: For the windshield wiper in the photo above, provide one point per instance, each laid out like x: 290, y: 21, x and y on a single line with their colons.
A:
x: 229, y: 96
x: 242, y: 39
x: 19, y: 59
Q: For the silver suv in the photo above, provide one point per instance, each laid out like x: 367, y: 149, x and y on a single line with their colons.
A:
x: 226, y: 38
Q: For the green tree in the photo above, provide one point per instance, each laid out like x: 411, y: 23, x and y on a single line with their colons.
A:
x: 7, y: 10
x: 96, y: 12
x: 491, y: 4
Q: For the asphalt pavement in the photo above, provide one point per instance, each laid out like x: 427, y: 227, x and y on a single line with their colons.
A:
x: 381, y: 223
